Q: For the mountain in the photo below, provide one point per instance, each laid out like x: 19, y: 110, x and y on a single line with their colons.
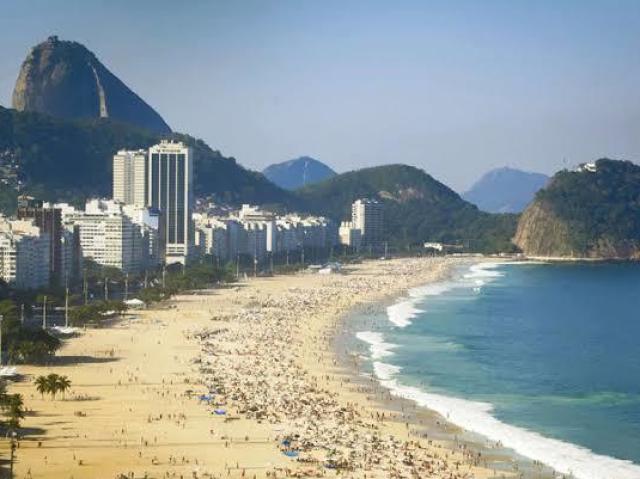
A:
x: 66, y: 80
x: 593, y: 212
x: 56, y: 159
x: 505, y: 190
x: 294, y: 174
x: 69, y: 160
x: 417, y: 208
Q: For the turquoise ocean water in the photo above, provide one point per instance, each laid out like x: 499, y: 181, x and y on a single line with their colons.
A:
x: 544, y: 358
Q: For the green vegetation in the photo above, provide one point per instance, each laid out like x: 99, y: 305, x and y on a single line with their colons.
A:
x: 417, y: 208
x: 71, y: 160
x: 95, y: 313
x: 52, y: 384
x: 598, y: 207
x: 12, y: 407
x: 177, y: 279
x: 24, y: 345
x: 65, y: 160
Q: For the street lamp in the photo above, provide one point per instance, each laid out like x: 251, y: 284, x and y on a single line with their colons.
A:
x: 1, y: 318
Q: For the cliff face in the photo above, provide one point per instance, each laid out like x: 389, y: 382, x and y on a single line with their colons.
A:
x: 64, y: 79
x: 585, y: 214
x: 541, y: 233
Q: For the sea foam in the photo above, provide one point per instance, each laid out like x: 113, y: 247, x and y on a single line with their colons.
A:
x: 404, y: 310
x: 477, y: 416
x: 378, y: 348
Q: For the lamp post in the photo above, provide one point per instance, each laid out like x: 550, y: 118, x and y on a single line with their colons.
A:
x: 1, y: 318
x: 66, y: 307
x: 85, y: 289
x: 44, y: 313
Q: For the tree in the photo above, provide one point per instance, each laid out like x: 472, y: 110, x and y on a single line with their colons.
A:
x: 13, y: 406
x: 42, y: 385
x: 63, y: 384
x: 52, y: 384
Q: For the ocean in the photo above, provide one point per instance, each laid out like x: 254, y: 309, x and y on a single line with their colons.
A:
x: 544, y: 358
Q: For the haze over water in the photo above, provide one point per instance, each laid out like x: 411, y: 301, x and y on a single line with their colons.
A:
x: 543, y: 358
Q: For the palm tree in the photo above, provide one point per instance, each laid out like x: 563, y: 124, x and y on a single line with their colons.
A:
x: 63, y: 384
x: 52, y: 384
x: 42, y: 385
x: 14, y: 410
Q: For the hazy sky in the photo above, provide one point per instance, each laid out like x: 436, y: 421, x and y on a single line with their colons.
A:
x: 452, y: 87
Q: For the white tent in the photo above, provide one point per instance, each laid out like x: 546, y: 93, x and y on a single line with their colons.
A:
x: 134, y: 303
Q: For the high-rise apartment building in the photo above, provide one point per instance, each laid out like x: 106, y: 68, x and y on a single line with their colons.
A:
x: 350, y: 236
x: 367, y: 216
x: 170, y: 190
x: 48, y: 219
x: 111, y: 235
x: 129, y: 177
x: 24, y: 254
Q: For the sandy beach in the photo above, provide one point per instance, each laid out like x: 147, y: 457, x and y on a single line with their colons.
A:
x: 240, y: 381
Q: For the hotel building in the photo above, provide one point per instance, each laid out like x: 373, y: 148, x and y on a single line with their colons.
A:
x: 170, y: 190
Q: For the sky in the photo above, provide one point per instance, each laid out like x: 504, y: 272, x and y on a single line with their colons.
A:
x: 453, y: 87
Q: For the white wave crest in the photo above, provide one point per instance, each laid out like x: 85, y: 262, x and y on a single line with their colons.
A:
x: 476, y: 416
x: 405, y: 309
x: 384, y: 371
x: 379, y: 349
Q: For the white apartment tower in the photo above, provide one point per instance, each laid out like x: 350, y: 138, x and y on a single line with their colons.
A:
x: 367, y: 216
x: 170, y: 190
x: 108, y: 236
x: 24, y: 254
x: 129, y: 177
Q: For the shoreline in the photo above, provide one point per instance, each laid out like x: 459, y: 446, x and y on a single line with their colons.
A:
x: 528, y: 451
x: 501, y: 459
x: 262, y: 350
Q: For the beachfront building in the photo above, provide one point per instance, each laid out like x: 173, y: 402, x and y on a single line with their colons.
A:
x: 24, y: 254
x: 350, y: 236
x: 254, y: 240
x: 49, y: 221
x: 367, y: 216
x: 130, y: 177
x: 211, y: 236
x: 70, y: 253
x: 170, y: 191
x: 257, y: 233
x: 288, y: 236
x: 113, y: 234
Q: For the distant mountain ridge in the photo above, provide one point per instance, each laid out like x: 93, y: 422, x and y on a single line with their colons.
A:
x: 593, y: 212
x: 417, y: 208
x: 72, y: 115
x: 299, y: 172
x: 71, y: 160
x: 505, y: 190
x: 66, y: 80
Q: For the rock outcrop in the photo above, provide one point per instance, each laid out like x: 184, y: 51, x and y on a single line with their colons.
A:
x: 66, y: 80
x: 591, y: 213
